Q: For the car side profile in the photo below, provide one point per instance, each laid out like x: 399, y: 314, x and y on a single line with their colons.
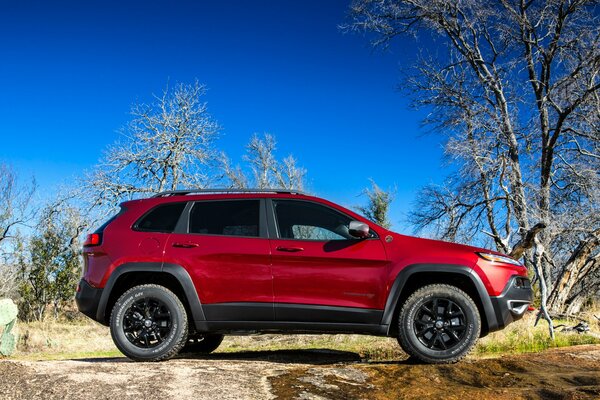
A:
x: 178, y: 271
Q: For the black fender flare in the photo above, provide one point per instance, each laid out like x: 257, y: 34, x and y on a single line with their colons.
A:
x: 177, y: 271
x: 407, y: 272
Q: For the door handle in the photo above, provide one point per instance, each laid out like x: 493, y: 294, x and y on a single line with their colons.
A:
x: 290, y: 249
x: 185, y: 245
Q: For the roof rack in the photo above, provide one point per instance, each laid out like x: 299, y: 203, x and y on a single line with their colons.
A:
x: 203, y: 191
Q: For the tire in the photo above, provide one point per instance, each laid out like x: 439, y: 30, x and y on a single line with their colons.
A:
x: 406, y: 350
x: 202, y: 344
x: 149, y: 323
x: 441, y: 334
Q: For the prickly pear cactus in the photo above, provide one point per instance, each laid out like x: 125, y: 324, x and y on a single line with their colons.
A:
x: 8, y: 318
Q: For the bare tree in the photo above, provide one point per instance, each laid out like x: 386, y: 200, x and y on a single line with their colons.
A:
x: 15, y: 203
x: 517, y: 92
x: 8, y: 281
x: 167, y: 145
x: 16, y: 210
x: 266, y: 171
x: 378, y: 205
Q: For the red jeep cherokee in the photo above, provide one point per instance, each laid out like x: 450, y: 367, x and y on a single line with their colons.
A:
x: 182, y: 269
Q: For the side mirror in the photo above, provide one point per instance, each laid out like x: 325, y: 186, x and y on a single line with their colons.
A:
x: 358, y: 229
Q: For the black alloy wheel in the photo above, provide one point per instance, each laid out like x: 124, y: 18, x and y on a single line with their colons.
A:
x: 147, y: 323
x: 439, y: 323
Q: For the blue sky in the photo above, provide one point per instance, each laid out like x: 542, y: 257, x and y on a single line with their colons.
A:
x: 71, y: 70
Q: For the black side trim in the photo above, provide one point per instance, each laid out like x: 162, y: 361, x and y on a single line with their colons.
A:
x: 176, y: 270
x: 283, y: 312
x: 239, y: 312
x: 406, y: 273
x: 326, y: 314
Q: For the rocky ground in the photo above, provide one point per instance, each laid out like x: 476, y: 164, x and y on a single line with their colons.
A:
x: 567, y: 373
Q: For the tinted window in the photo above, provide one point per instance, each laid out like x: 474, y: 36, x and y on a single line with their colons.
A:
x: 310, y: 221
x: 162, y: 218
x: 233, y: 217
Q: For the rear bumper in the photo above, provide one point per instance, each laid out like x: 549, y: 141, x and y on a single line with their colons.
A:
x: 88, y: 299
x: 512, y: 304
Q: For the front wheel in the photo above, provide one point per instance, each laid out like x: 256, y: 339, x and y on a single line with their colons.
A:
x: 149, y: 323
x: 439, y: 324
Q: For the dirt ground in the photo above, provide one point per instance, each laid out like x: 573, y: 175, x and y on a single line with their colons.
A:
x: 567, y: 373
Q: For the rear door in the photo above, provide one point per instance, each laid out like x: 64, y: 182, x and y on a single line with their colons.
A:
x: 224, y: 247
x: 320, y: 272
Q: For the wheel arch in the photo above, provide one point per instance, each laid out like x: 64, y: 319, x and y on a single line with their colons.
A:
x: 173, y: 277
x: 416, y: 276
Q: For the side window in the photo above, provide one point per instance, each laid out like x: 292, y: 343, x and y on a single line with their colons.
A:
x: 161, y: 219
x: 232, y: 217
x: 304, y: 220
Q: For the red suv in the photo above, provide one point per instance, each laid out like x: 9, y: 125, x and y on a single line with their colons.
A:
x: 181, y: 269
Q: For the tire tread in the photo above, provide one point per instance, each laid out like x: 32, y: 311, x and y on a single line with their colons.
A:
x: 405, y: 343
x: 178, y: 345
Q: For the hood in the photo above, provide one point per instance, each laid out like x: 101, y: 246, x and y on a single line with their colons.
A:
x: 413, y: 250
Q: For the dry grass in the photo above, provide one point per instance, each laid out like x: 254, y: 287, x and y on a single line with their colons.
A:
x: 63, y: 339
x: 523, y: 337
x: 84, y: 338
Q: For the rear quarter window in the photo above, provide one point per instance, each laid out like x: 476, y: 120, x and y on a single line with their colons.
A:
x: 162, y: 218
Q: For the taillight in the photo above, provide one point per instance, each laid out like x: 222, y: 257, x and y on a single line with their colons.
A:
x: 93, y: 239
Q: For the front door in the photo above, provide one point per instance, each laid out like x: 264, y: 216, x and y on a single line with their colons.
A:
x: 320, y: 272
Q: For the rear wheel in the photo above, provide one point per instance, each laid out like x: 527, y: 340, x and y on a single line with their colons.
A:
x: 202, y: 344
x: 149, y: 323
x: 439, y: 324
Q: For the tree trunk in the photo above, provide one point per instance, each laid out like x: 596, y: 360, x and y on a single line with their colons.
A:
x: 574, y: 307
x: 578, y: 265
x: 543, y: 313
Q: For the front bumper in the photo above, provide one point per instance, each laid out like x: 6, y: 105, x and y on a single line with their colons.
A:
x: 512, y: 304
x: 88, y: 299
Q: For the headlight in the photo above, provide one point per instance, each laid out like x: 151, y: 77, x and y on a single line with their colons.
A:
x: 497, y: 258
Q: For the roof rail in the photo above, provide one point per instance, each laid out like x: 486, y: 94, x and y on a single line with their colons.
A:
x: 203, y: 191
